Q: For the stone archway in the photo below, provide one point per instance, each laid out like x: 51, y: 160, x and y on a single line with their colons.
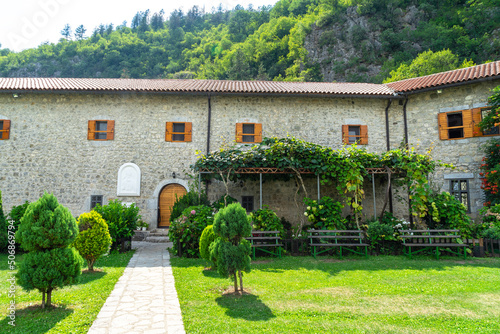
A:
x: 164, y: 197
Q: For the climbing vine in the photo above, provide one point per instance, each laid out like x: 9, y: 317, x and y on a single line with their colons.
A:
x: 344, y: 168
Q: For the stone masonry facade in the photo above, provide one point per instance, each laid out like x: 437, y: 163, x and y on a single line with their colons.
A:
x: 48, y: 149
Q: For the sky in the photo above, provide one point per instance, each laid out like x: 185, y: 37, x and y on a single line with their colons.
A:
x: 26, y: 24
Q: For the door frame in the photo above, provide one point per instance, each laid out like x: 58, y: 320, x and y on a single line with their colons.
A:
x: 156, y: 195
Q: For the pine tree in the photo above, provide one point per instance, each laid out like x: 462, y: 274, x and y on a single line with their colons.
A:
x: 232, y: 251
x: 66, y: 32
x: 80, y: 32
x: 47, y: 229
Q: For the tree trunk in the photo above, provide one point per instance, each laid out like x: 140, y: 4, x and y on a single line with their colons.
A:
x: 91, y: 264
x: 49, y: 297
x: 235, y: 283
x: 43, y: 299
x: 241, y: 280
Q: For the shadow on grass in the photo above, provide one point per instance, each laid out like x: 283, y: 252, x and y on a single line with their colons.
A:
x: 35, y: 320
x: 247, y: 306
x: 211, y: 273
x: 89, y: 276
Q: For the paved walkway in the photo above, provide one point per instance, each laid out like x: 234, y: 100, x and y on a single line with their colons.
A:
x: 144, y: 300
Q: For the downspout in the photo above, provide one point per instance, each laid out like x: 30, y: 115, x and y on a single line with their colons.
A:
x: 388, y: 142
x: 208, y: 132
x: 405, y: 120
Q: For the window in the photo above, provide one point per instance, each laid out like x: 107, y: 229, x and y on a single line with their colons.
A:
x: 463, y: 124
x: 178, y: 131
x: 491, y: 132
x: 355, y: 134
x: 4, y: 129
x: 94, y: 200
x: 460, y: 189
x: 101, y: 130
x: 247, y: 203
x: 248, y: 133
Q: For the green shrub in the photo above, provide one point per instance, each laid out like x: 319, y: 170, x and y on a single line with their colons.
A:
x: 186, y: 230
x: 94, y: 239
x: 267, y: 220
x: 206, y: 239
x: 492, y: 233
x: 47, y: 229
x: 4, y: 241
x: 325, y: 215
x: 17, y: 212
x: 446, y: 212
x: 219, y: 204
x: 191, y: 198
x: 378, y: 232
x: 232, y: 251
x: 121, y: 219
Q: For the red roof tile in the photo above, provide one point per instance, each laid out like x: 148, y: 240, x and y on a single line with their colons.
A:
x: 194, y: 86
x: 251, y: 87
x: 446, y: 78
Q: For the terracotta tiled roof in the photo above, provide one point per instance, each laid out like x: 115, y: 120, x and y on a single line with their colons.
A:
x: 251, y: 87
x: 193, y: 86
x: 446, y: 78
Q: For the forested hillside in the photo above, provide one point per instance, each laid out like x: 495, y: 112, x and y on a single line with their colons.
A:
x: 312, y: 40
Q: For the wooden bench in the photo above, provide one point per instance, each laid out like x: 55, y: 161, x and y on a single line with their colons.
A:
x: 438, y: 239
x: 263, y: 240
x: 344, y: 239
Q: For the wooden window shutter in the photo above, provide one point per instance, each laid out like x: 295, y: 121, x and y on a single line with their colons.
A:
x: 443, y: 126
x: 110, y: 133
x: 468, y: 123
x: 239, y: 132
x: 476, y: 118
x: 169, y: 128
x: 363, y: 133
x: 258, y: 133
x: 188, y: 129
x: 345, y: 134
x: 91, y: 130
x: 5, y: 134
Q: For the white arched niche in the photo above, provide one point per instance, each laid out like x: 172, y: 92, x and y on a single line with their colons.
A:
x: 129, y: 180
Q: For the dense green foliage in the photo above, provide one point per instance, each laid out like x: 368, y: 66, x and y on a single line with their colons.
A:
x: 428, y: 63
x: 325, y: 215
x: 266, y: 219
x: 121, y: 219
x: 344, y: 168
x: 191, y: 198
x: 94, y: 239
x: 447, y: 212
x: 4, y: 241
x: 46, y: 231
x: 17, y: 212
x: 46, y: 225
x: 186, y: 230
x: 232, y: 251
x: 268, y: 43
x: 206, y: 239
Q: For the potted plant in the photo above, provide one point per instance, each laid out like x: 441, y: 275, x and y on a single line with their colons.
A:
x: 141, y: 225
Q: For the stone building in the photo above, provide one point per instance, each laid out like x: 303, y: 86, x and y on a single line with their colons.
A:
x: 92, y: 140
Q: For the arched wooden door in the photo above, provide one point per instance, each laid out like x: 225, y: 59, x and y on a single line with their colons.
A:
x: 166, y: 201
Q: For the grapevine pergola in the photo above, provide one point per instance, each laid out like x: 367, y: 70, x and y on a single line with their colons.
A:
x: 347, y: 167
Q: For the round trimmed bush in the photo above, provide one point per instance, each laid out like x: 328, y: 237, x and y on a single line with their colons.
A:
x: 207, y: 237
x: 94, y: 239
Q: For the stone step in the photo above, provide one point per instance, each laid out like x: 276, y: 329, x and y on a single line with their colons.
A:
x: 157, y: 239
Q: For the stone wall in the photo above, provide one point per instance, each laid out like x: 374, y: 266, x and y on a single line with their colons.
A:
x: 464, y: 154
x: 48, y: 148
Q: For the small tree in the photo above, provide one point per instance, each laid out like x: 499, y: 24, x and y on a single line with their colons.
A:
x: 232, y: 251
x: 47, y: 229
x: 94, y: 239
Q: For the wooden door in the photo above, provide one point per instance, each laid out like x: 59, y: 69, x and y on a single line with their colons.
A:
x: 166, y: 202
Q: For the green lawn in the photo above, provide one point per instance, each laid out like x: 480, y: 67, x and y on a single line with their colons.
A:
x: 76, y: 306
x: 384, y: 294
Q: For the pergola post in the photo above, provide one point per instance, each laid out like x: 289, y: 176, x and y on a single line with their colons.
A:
x: 374, y: 199
x: 319, y: 194
x: 260, y: 207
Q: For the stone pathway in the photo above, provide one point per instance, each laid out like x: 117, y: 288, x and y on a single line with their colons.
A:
x: 144, y: 300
